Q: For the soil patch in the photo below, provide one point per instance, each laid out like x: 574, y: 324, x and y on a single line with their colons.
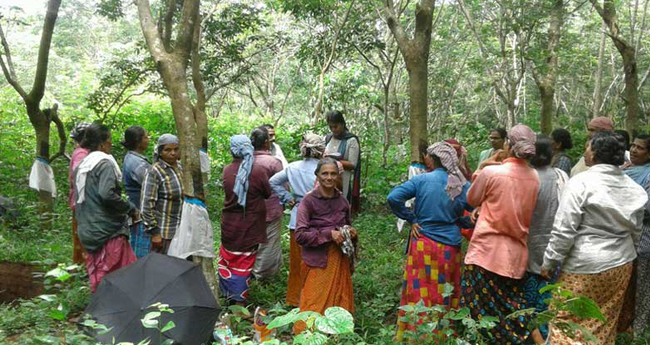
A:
x: 17, y: 281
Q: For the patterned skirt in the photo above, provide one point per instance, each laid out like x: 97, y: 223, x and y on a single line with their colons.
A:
x: 608, y: 290
x: 235, y: 270
x: 429, y: 265
x: 642, y: 316
x: 140, y: 240
x: 295, y: 281
x: 115, y: 254
x: 77, y: 248
x: 535, y: 299
x: 326, y: 287
x: 489, y: 294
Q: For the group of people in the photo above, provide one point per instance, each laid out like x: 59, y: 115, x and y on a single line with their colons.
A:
x: 110, y: 232
x: 528, y: 224
x: 532, y: 225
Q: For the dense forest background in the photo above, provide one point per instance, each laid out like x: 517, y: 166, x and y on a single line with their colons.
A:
x: 402, y: 72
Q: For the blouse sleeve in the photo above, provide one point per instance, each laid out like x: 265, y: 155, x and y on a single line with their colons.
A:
x: 352, y: 151
x: 565, y: 227
x: 148, y: 202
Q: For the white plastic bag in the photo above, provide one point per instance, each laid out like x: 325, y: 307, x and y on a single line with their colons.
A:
x: 42, y: 177
x: 194, y: 235
x: 205, y: 161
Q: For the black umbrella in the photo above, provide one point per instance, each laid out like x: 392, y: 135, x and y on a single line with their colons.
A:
x: 124, y: 297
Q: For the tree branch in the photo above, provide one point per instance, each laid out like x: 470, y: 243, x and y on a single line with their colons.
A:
x: 392, y: 21
x: 185, y: 34
x: 151, y: 34
x: 337, y: 34
x: 8, y: 67
x: 38, y: 89
x: 167, y: 25
x: 63, y: 139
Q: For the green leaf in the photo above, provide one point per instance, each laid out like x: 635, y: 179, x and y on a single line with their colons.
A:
x: 49, y: 298
x: 335, y: 321
x: 237, y: 309
x: 550, y: 287
x: 151, y: 320
x: 168, y: 326
x: 585, y: 308
x: 457, y: 314
x: 168, y: 342
x: 448, y: 290
x: 522, y: 312
x: 309, y: 338
x: 286, y: 319
x: 59, y: 274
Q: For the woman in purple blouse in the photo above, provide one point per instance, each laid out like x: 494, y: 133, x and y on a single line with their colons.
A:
x: 327, y: 271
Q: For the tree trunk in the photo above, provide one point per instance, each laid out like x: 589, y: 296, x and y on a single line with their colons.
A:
x: 631, y: 91
x: 598, y: 88
x: 42, y: 128
x: 547, y: 84
x: 608, y: 13
x: 418, y: 82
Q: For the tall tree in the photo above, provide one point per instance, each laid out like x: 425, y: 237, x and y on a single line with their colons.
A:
x: 607, y: 12
x: 415, y: 51
x: 41, y: 119
x: 545, y: 74
x: 172, y: 59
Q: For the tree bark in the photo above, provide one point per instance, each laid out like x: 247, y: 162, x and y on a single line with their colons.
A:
x: 546, y: 83
x: 598, y: 88
x: 415, y: 52
x: 608, y: 13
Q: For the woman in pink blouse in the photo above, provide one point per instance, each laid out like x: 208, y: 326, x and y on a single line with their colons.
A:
x: 497, y: 256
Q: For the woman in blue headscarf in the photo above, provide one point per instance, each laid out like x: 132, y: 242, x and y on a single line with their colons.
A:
x: 243, y: 219
x: 638, y: 169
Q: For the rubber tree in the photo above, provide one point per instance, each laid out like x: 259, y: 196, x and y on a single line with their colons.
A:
x: 607, y: 12
x: 545, y: 74
x: 40, y: 118
x: 415, y: 52
x: 172, y: 60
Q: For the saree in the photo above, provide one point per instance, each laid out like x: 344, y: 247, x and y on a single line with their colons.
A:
x: 429, y: 266
x: 115, y: 254
x: 488, y: 294
x: 77, y: 248
x: 326, y: 287
x: 294, y: 283
x: 140, y: 240
x: 235, y: 270
x: 607, y: 289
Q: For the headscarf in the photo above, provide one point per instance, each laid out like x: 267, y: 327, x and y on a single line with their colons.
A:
x: 601, y: 124
x: 241, y: 147
x: 78, y: 129
x: 165, y: 139
x: 461, y: 152
x: 315, y: 144
x: 522, y: 141
x: 449, y: 159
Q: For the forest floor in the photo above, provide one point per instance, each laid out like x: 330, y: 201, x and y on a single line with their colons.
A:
x: 34, y: 320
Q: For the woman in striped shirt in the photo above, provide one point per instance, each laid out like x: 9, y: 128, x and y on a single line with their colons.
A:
x: 162, y: 194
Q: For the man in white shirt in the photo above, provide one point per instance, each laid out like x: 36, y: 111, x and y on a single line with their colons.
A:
x: 275, y: 149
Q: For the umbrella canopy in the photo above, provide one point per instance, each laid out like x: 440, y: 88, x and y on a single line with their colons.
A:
x: 123, y: 298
